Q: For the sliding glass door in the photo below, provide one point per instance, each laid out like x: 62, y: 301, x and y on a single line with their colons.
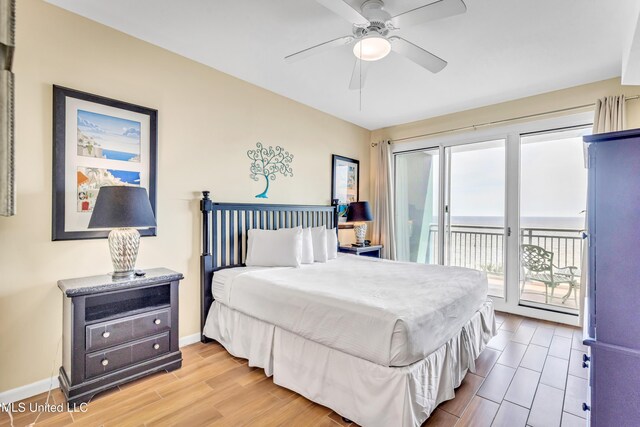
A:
x: 475, y: 209
x: 471, y: 180
x: 509, y: 202
x: 553, y: 196
x: 417, y: 177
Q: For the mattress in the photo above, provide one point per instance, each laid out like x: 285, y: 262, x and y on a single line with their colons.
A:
x: 389, y: 313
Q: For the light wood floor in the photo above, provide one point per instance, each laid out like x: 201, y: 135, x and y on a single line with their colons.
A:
x: 531, y: 374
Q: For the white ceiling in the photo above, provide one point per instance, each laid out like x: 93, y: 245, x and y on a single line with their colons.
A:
x: 498, y: 50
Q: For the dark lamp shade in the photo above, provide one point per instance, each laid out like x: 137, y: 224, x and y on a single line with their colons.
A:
x: 359, y: 211
x: 122, y: 206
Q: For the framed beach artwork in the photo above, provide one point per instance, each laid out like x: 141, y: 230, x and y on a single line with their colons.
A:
x: 345, y: 177
x: 98, y: 141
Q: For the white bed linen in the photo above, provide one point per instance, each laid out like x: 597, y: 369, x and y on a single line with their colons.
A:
x: 389, y: 313
x: 220, y: 285
x: 365, y: 392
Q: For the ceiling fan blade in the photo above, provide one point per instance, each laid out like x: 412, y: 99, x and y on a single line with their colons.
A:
x: 319, y: 48
x: 417, y: 54
x: 436, y: 10
x: 359, y: 74
x: 339, y: 7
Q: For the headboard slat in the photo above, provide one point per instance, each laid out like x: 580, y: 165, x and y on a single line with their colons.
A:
x: 223, y: 237
x: 230, y: 232
x: 242, y: 219
x: 213, y: 236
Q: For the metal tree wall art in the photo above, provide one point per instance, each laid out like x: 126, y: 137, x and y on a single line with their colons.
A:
x: 268, y: 162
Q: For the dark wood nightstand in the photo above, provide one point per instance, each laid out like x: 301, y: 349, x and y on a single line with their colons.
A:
x: 374, y: 251
x: 115, y: 331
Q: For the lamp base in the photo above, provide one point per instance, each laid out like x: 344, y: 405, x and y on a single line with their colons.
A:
x: 121, y: 275
x: 360, y: 231
x: 124, y: 244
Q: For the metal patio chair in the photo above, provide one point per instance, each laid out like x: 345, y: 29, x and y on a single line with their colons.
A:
x: 538, y: 266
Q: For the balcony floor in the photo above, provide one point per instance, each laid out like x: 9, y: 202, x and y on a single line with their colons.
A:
x: 534, y: 292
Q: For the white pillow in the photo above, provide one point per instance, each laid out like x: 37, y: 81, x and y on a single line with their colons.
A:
x: 274, y: 248
x: 332, y: 244
x: 307, y: 246
x: 319, y: 237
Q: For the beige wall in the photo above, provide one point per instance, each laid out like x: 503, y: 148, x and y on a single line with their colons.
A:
x: 207, y: 121
x: 551, y: 101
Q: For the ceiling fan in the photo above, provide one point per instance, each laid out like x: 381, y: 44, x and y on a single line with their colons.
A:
x: 373, y: 39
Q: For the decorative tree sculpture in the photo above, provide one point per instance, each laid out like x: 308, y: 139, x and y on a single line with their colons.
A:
x: 268, y: 162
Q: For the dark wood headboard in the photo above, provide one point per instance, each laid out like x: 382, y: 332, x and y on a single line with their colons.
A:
x: 224, y: 234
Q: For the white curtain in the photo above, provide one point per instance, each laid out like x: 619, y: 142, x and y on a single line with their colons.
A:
x: 401, y: 209
x: 610, y: 114
x: 383, y: 219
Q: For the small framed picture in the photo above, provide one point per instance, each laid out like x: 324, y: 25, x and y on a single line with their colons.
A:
x: 98, y: 141
x: 345, y: 182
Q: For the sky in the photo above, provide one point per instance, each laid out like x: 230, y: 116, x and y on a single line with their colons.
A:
x: 103, y: 124
x: 553, y: 179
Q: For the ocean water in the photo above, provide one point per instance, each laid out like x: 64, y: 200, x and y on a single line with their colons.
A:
x: 574, y: 223
x: 118, y: 155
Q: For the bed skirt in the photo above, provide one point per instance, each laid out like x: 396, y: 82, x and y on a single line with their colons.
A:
x: 367, y: 393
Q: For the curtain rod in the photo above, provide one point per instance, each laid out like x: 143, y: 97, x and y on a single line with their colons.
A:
x: 474, y: 127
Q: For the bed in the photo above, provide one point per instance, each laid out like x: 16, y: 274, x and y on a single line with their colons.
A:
x: 381, y: 343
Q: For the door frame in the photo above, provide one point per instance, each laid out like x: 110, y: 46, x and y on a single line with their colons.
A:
x: 511, y: 134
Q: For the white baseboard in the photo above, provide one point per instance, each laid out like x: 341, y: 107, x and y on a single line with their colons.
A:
x: 189, y: 339
x: 29, y: 390
x: 44, y: 385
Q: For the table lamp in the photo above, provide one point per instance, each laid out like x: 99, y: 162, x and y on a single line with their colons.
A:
x: 122, y: 208
x: 359, y: 212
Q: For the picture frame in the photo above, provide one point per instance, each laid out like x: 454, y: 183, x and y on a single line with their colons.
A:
x: 345, y: 182
x: 98, y: 141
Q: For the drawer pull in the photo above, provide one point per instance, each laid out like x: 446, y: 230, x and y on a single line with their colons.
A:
x: 156, y: 346
x: 105, y: 362
x: 106, y: 334
x: 157, y: 321
x: 585, y: 358
x: 585, y: 407
x: 585, y: 364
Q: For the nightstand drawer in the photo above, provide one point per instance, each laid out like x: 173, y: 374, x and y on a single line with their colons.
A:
x: 107, y: 334
x: 149, y: 348
x: 110, y: 360
x: 152, y: 323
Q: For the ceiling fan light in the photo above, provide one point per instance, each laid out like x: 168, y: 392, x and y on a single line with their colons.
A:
x: 372, y: 48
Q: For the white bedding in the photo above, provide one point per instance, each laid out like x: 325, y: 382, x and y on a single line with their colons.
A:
x: 367, y: 393
x: 389, y: 313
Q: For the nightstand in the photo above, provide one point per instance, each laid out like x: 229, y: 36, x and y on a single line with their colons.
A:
x: 373, y: 251
x: 115, y: 331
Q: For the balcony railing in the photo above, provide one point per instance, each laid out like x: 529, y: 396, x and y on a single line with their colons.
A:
x: 482, y: 247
